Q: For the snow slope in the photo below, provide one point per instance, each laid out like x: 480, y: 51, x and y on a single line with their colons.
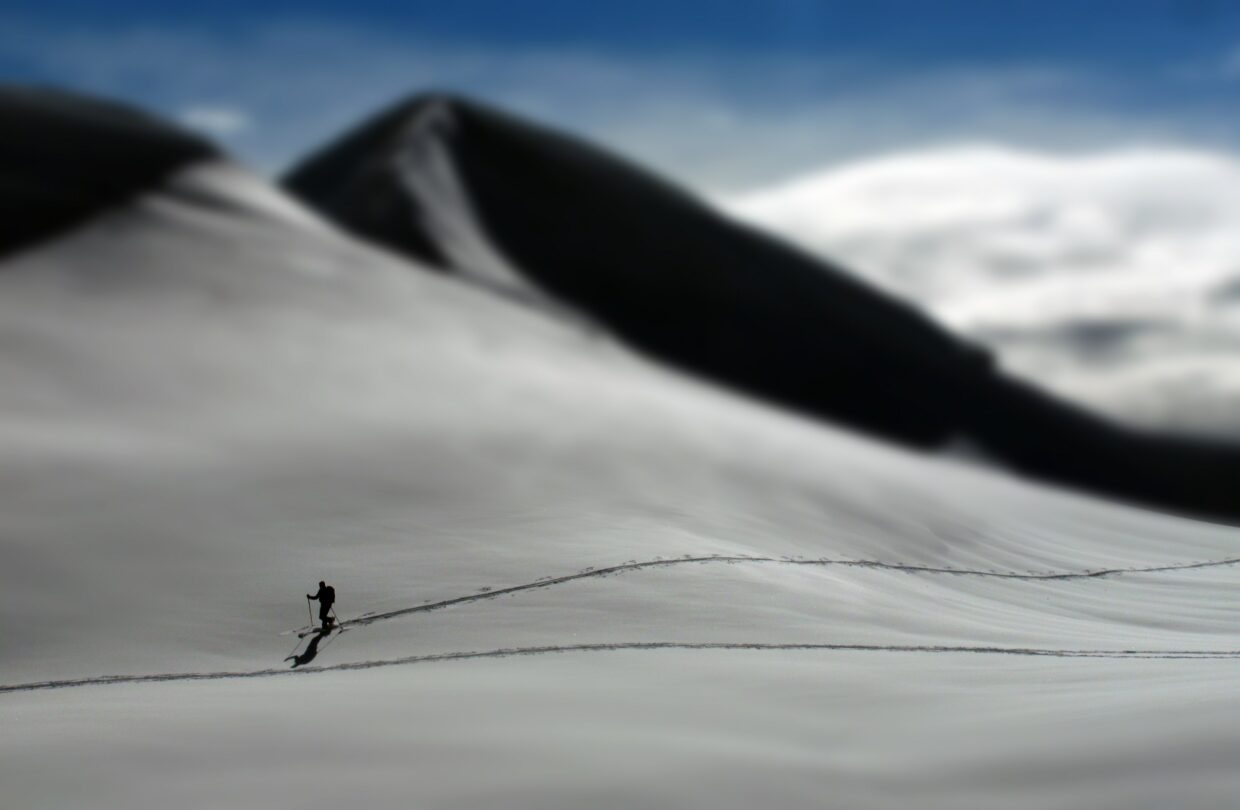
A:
x: 212, y: 400
x: 1111, y: 277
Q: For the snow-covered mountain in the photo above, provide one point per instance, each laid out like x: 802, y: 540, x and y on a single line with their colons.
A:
x: 1110, y: 277
x: 213, y: 398
x: 544, y: 217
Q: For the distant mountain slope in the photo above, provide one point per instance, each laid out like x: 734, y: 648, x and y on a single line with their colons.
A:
x: 64, y: 157
x: 525, y: 209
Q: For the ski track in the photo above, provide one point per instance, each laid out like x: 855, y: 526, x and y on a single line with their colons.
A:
x: 510, y: 652
x: 547, y: 582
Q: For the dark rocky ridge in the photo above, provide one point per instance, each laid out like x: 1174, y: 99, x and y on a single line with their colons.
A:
x: 689, y: 287
x: 652, y: 264
x: 65, y: 157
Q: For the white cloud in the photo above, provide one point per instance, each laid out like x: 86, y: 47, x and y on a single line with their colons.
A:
x: 215, y: 119
x: 1103, y: 275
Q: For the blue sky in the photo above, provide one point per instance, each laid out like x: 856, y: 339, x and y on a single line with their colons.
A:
x: 724, y: 95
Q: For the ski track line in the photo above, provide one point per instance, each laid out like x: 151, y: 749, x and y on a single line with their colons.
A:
x: 511, y: 652
x: 547, y: 582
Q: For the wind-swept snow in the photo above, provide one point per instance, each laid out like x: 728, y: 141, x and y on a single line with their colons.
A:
x: 212, y: 400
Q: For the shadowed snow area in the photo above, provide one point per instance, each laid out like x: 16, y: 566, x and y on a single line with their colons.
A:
x: 1104, y: 276
x: 213, y: 399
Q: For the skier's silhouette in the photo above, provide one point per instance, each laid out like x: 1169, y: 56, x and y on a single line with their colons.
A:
x: 326, y: 597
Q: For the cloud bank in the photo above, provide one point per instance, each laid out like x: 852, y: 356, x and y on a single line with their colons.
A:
x: 1110, y: 277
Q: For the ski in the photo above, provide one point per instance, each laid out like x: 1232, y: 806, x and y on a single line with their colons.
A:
x: 298, y: 630
x: 306, y: 630
x: 309, y: 631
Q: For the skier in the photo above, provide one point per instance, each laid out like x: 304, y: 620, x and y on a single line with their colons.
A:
x: 326, y: 597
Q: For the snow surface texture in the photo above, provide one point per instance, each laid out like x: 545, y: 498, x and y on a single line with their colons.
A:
x: 1113, y: 278
x: 212, y: 400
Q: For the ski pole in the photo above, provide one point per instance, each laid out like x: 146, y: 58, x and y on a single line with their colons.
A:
x: 309, y: 611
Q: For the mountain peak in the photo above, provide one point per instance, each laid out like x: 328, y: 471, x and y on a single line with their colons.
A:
x: 543, y: 215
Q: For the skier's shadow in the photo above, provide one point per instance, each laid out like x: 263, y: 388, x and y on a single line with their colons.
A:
x: 312, y: 649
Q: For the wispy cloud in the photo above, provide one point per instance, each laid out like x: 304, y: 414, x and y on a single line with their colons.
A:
x: 215, y: 119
